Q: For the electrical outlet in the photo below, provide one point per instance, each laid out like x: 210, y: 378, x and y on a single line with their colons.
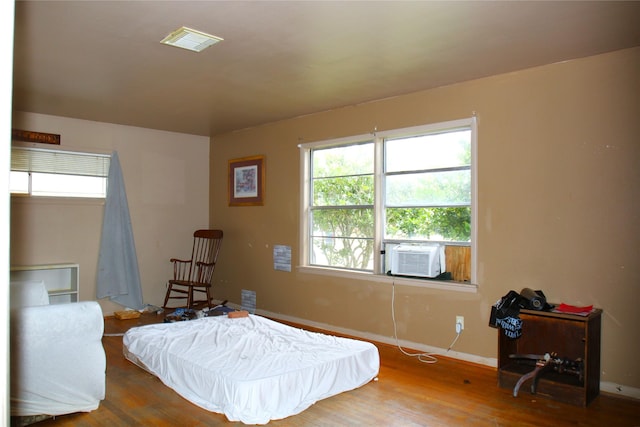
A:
x: 459, y: 324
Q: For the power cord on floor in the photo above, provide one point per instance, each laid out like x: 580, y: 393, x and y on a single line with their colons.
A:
x: 422, y: 357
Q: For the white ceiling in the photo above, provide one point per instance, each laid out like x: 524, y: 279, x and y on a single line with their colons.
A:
x: 102, y: 60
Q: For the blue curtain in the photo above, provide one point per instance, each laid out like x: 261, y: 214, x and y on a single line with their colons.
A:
x: 118, y: 274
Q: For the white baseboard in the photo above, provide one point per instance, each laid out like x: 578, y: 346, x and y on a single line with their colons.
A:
x: 620, y: 390
x: 605, y: 386
x: 435, y: 351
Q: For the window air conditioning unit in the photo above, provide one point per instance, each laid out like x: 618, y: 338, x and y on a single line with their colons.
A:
x: 417, y: 260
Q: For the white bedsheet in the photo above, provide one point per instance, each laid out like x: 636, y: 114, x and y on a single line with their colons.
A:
x: 251, y: 369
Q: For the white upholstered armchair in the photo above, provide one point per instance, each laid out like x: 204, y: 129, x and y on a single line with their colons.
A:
x: 58, y: 363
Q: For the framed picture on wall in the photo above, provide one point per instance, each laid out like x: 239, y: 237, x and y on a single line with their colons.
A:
x: 246, y: 181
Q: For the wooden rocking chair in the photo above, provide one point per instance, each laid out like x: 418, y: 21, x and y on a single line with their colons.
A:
x: 196, y: 274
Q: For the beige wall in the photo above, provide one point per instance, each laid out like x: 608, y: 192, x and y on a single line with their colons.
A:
x: 558, y: 208
x: 166, y: 179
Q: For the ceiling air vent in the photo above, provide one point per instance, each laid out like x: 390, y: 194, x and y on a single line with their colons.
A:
x: 190, y: 39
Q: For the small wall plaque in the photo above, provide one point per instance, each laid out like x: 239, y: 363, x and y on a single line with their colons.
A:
x: 30, y: 136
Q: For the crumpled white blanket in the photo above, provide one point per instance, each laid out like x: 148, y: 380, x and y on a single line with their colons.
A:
x: 251, y: 369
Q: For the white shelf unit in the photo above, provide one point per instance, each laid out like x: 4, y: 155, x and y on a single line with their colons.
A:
x: 61, y: 280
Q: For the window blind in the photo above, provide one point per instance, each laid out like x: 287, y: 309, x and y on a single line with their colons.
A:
x: 25, y: 159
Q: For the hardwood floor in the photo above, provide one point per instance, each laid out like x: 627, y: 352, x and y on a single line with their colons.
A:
x: 407, y: 393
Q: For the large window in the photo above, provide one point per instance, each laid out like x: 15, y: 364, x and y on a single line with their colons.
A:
x: 53, y: 173
x: 367, y: 194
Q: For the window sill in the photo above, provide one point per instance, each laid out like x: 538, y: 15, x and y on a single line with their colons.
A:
x: 395, y: 280
x: 49, y: 200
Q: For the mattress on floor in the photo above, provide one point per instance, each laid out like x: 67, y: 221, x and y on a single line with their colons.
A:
x: 251, y: 369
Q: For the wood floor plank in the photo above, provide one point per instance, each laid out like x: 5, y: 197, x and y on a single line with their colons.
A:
x: 406, y: 393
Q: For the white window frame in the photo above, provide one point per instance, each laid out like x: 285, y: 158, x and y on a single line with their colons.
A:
x: 378, y: 138
x: 60, y: 162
